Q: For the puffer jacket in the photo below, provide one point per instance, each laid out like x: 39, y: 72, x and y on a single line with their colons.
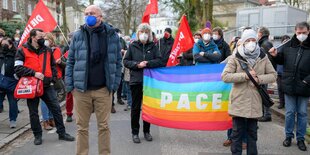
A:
x: 77, y: 63
x: 245, y: 101
x: 138, y: 52
x: 295, y: 58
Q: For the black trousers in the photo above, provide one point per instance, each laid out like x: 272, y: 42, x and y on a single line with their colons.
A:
x: 49, y: 97
x: 120, y: 88
x: 137, y: 94
x: 241, y: 125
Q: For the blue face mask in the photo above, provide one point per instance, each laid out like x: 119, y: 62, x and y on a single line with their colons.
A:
x: 90, y: 20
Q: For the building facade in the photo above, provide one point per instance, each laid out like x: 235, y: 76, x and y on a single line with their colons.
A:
x: 159, y: 24
x: 16, y: 10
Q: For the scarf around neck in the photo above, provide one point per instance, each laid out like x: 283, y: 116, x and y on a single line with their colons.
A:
x: 250, y: 57
x: 94, y: 42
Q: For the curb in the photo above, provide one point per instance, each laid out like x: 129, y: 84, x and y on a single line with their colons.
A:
x: 5, y: 141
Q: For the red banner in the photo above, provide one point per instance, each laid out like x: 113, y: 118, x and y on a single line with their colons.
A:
x: 151, y: 8
x: 41, y: 18
x: 182, y: 43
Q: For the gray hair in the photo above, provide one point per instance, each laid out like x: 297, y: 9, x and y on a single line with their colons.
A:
x: 145, y: 26
x: 264, y: 31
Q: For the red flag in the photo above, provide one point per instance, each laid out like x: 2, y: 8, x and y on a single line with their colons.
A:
x: 182, y: 43
x: 41, y: 18
x: 151, y: 8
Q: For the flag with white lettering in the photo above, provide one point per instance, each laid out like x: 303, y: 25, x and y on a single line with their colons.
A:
x: 183, y: 42
x: 41, y: 18
x: 186, y: 97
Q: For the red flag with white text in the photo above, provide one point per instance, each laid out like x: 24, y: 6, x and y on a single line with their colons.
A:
x: 40, y: 18
x: 182, y: 43
x: 151, y: 8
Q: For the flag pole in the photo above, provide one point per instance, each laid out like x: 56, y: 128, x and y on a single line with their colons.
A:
x: 63, y: 35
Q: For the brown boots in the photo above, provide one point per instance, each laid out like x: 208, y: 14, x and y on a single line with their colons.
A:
x: 48, y: 125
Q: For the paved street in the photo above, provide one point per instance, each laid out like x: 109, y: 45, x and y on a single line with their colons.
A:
x: 166, y: 141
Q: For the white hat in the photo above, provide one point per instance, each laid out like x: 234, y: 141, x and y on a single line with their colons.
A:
x: 247, y: 34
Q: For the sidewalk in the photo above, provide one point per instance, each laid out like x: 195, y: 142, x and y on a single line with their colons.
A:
x: 23, y: 124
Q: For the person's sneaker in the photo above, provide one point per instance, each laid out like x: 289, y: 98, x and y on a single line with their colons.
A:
x: 148, y: 137
x: 12, y: 124
x: 136, y: 139
x: 287, y: 142
x: 37, y: 140
x: 113, y: 110
x: 244, y: 145
x: 46, y: 125
x: 301, y: 145
x: 127, y: 108
x: 227, y: 143
x: 120, y: 101
x: 265, y: 119
x: 66, y: 137
x: 69, y: 119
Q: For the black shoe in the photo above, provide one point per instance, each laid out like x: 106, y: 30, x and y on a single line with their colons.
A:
x: 66, y: 137
x: 281, y: 106
x: 37, y: 140
x: 301, y: 145
x: 69, y: 119
x: 265, y: 119
x: 287, y: 142
x: 120, y: 101
x: 136, y: 139
x: 148, y: 137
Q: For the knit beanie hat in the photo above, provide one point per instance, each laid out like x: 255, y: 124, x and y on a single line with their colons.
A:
x: 247, y: 34
x: 168, y: 30
x: 206, y: 30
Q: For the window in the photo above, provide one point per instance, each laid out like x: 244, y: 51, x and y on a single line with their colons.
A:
x: 161, y: 32
x: 14, y: 5
x: 29, y: 9
x: 5, y: 4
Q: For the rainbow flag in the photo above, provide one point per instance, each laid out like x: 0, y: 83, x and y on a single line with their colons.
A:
x: 189, y: 97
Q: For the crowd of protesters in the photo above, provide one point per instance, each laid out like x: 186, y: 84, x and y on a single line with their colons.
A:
x: 100, y: 63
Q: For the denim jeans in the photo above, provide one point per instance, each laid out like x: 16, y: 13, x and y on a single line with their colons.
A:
x: 126, y: 88
x: 244, y: 125
x: 296, y: 105
x: 244, y: 136
x: 13, y: 108
x: 46, y: 114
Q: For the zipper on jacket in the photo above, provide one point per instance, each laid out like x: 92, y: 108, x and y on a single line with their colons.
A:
x: 143, y: 52
x: 299, y: 54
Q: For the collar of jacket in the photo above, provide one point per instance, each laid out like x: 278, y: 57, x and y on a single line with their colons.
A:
x: 32, y: 49
x: 109, y: 28
x: 262, y: 55
x: 138, y: 44
x: 262, y: 40
x: 296, y: 43
x: 219, y: 42
x: 209, y: 46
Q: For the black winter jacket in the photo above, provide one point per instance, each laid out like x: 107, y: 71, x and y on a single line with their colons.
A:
x: 136, y: 53
x: 165, y: 47
x: 265, y: 46
x: 22, y: 71
x: 224, y: 48
x: 7, y: 59
x: 295, y: 58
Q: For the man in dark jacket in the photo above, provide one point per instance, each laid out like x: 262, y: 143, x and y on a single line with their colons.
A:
x: 7, y: 59
x: 30, y: 60
x: 295, y: 58
x: 93, y: 73
x: 221, y: 43
x: 165, y: 46
x: 265, y: 45
x: 141, y: 54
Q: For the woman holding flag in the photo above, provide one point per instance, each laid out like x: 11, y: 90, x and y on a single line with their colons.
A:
x: 141, y: 54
